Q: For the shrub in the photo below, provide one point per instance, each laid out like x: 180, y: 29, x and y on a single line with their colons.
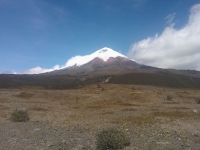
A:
x: 198, y: 101
x: 169, y: 97
x: 112, y: 139
x: 19, y: 116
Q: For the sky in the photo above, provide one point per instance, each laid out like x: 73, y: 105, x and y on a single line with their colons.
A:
x: 42, y: 35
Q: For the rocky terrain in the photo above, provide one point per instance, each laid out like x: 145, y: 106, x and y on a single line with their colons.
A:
x: 153, y: 117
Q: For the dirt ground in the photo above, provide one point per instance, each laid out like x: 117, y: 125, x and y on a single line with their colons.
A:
x: 153, y: 117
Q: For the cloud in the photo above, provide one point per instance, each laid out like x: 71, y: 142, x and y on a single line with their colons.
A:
x: 170, y: 18
x: 174, y: 48
x: 38, y: 70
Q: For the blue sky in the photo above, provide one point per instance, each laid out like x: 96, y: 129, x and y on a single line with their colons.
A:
x: 45, y: 33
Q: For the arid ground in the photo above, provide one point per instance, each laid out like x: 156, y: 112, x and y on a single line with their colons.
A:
x: 153, y: 117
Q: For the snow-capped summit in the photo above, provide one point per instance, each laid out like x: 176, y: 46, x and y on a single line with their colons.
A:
x: 104, y: 54
x: 105, y: 57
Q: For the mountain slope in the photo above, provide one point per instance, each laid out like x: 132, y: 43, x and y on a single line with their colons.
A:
x: 102, y: 60
x: 103, y: 66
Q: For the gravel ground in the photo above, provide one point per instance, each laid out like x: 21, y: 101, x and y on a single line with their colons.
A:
x: 43, y: 136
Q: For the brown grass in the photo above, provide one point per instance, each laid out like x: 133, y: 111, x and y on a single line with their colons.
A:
x: 154, y: 109
x: 153, y: 117
x: 24, y: 95
x: 3, y: 108
x: 3, y: 100
x: 58, y: 106
x: 110, y: 104
x: 122, y: 103
x: 38, y: 109
x: 180, y: 108
x: 75, y: 107
x: 174, y: 114
x: 95, y: 107
x: 187, y: 95
x: 129, y: 109
x: 108, y: 113
x: 171, y: 102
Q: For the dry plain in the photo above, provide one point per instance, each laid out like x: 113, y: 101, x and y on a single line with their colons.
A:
x: 153, y: 117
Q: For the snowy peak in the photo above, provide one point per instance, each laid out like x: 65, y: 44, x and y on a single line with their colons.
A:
x: 103, y: 51
x: 104, y: 54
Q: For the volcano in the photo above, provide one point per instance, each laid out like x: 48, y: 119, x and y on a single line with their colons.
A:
x: 102, y: 58
x: 104, y: 66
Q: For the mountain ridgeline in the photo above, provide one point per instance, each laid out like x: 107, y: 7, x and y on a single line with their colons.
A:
x: 104, y: 66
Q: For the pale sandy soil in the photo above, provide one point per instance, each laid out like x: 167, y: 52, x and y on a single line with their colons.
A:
x: 70, y: 119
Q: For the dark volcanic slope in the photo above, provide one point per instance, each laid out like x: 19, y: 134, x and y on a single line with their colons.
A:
x: 160, y: 77
x: 117, y: 61
x: 41, y: 81
x: 112, y: 65
x: 118, y: 70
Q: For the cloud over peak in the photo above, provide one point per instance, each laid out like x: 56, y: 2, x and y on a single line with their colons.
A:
x: 174, y: 48
x: 38, y: 70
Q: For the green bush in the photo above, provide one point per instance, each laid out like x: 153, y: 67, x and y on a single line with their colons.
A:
x: 19, y: 116
x: 112, y: 139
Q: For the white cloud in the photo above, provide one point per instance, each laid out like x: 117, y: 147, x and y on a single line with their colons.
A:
x: 38, y: 70
x: 174, y: 48
x: 170, y: 19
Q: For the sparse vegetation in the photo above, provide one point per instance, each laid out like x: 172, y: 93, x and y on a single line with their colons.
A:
x: 143, y: 115
x: 77, y: 99
x: 112, y: 139
x: 169, y: 97
x: 24, y: 95
x: 19, y: 116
